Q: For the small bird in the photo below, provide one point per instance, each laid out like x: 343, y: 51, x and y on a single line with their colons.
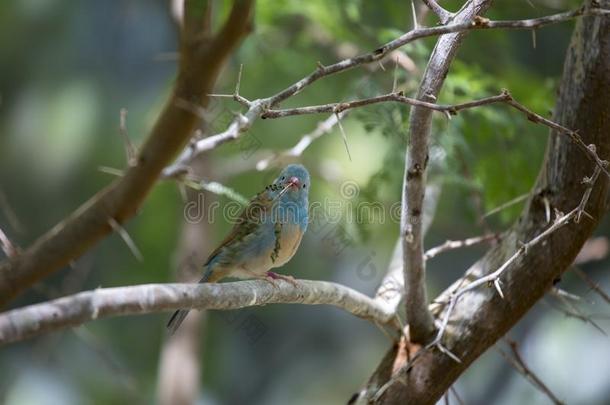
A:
x: 266, y: 235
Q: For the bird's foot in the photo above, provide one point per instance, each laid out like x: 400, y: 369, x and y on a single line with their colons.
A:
x: 276, y: 276
x: 270, y: 280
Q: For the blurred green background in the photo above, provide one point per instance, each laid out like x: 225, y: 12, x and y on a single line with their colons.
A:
x: 69, y: 67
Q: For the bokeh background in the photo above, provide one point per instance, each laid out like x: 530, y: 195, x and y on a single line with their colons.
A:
x: 67, y: 68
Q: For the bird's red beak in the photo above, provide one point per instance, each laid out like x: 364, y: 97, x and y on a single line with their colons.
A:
x: 294, y: 182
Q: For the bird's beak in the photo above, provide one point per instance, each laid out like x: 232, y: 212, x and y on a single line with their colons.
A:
x: 294, y: 182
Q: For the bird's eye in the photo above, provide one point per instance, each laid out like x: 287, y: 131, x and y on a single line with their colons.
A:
x: 283, y: 177
x: 304, y: 185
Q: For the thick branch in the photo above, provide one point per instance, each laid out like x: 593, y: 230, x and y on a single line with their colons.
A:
x: 421, y: 326
x: 200, y: 63
x: 76, y: 309
x: 481, y: 317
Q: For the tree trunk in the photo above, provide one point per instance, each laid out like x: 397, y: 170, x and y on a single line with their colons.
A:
x: 481, y: 316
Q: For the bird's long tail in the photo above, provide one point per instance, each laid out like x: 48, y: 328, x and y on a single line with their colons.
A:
x: 178, y: 317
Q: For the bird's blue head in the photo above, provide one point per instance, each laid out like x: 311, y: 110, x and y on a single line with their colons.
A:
x: 296, y: 179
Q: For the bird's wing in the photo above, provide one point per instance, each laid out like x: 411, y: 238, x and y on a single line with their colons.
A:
x: 249, y: 220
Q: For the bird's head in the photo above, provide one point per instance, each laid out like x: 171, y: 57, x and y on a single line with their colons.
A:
x: 294, y: 181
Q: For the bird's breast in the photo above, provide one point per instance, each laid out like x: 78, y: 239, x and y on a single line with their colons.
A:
x: 290, y: 238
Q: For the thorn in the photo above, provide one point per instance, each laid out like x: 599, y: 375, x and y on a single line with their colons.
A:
x: 238, y: 84
x: 415, y: 23
x: 344, y: 137
x: 110, y: 170
x: 564, y: 293
x: 448, y: 352
x: 126, y: 238
x: 497, y: 285
x: 547, y: 209
x: 534, y: 38
x: 585, y: 213
x: 130, y: 152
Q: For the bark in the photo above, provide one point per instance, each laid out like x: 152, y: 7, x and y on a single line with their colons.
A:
x: 481, y: 317
x: 31, y: 320
x: 421, y: 325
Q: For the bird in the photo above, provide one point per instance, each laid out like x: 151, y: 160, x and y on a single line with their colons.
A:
x: 265, y: 236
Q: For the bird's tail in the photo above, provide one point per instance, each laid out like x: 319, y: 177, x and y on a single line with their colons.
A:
x: 178, y: 317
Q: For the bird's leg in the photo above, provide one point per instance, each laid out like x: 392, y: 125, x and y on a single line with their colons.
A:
x: 287, y: 278
x: 266, y: 277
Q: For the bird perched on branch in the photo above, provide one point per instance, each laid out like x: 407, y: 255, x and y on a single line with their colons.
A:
x: 266, y: 235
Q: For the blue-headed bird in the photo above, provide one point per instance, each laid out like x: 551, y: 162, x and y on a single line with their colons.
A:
x: 266, y: 235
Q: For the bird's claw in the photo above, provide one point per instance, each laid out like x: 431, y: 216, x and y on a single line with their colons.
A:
x: 270, y: 280
x: 272, y: 276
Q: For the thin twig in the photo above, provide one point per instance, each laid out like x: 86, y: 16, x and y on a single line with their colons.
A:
x: 456, y: 395
x: 572, y: 311
x: 443, y: 15
x: 323, y: 128
x: 494, y: 277
x: 589, y: 182
x: 343, y: 135
x: 592, y: 284
x: 516, y: 361
x: 216, y: 188
x: 126, y: 238
x: 506, y: 205
x: 503, y: 97
x: 242, y: 123
x: 235, y: 96
x: 391, y: 97
x: 573, y: 135
x: 457, y: 244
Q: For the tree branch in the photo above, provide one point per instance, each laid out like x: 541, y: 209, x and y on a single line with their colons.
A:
x: 277, y: 159
x: 457, y: 244
x: 421, y: 325
x: 482, y: 316
x: 200, y: 63
x: 449, y: 110
x: 592, y: 284
x: 516, y: 361
x: 443, y: 15
x: 242, y: 123
x: 22, y: 323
